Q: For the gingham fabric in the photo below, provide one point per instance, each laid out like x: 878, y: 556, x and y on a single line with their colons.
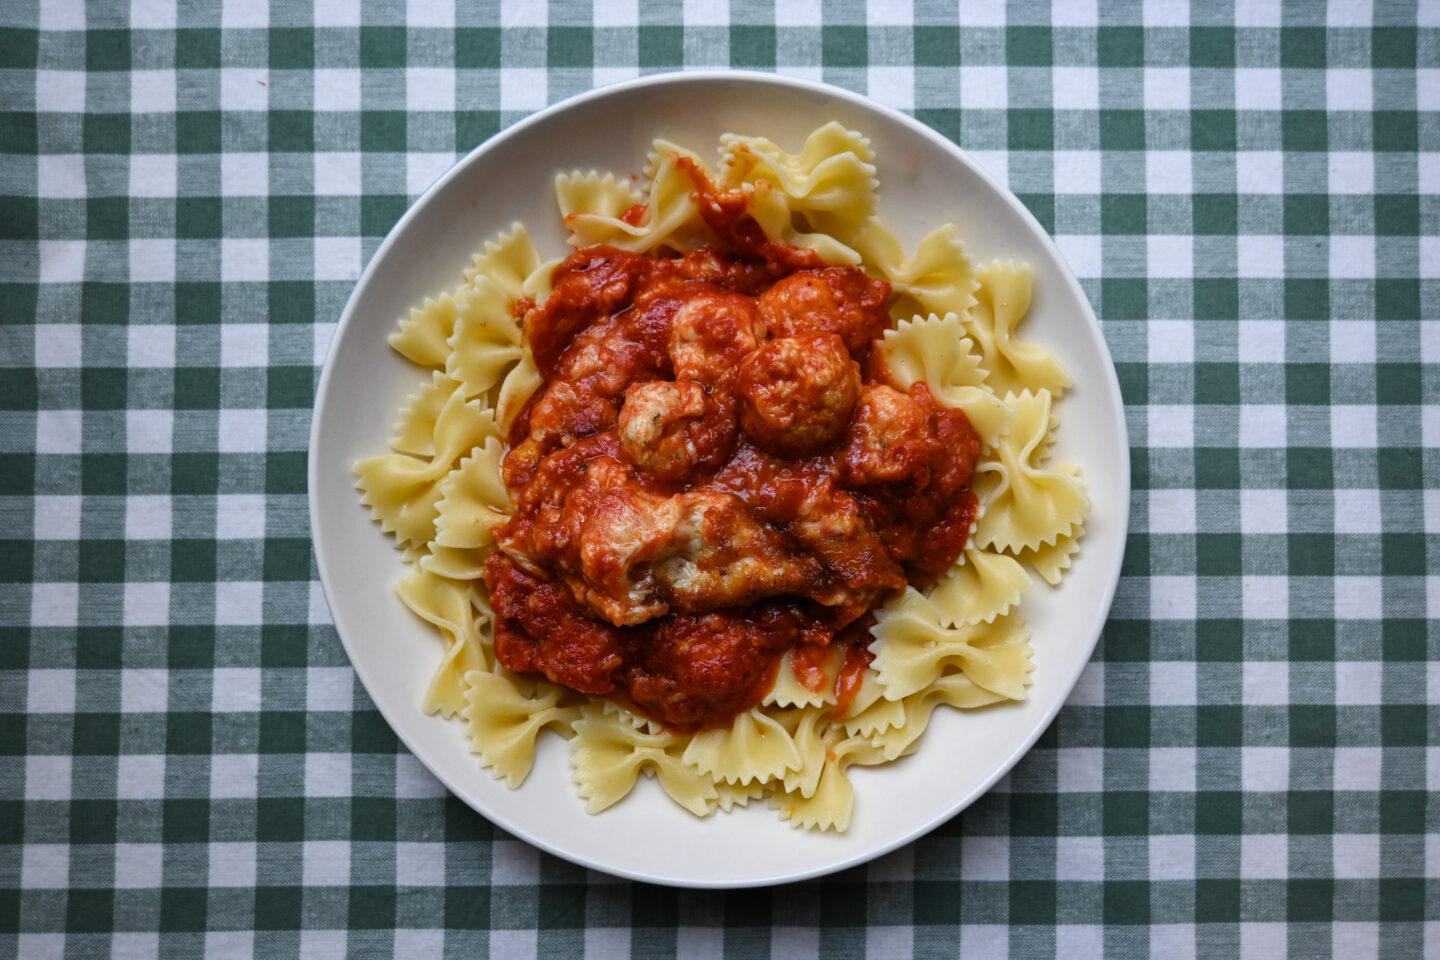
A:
x: 1249, y: 195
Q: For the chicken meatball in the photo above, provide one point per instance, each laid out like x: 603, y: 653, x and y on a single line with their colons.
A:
x: 666, y: 428
x: 889, y: 441
x: 712, y: 333
x: 796, y: 393
x: 839, y: 300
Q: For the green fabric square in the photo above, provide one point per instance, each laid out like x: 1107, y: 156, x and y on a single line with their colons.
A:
x: 1397, y: 299
x: 278, y: 908
x: 569, y: 47
x: 197, y: 49
x: 282, y: 731
x: 1403, y: 724
x: 13, y: 730
x: 1304, y: 130
x: 652, y: 907
x: 1127, y: 727
x: 104, y: 303
x: 19, y: 48
x: 183, y: 909
x: 1306, y: 213
x: 102, y: 388
x: 1120, y: 46
x: 1400, y: 469
x: 743, y: 908
x: 291, y: 301
x: 102, y: 561
x: 475, y: 126
x: 197, y: 388
x: 12, y: 833
x: 1217, y: 383
x: 1033, y: 814
x: 372, y: 818
x: 96, y: 735
x: 1122, y: 130
x: 292, y: 48
x: 1217, y: 554
x: 752, y: 45
x: 197, y: 303
x: 1302, y: 48
x: 1396, y: 131
x: 190, y: 647
x: 192, y: 561
x: 107, y: 218
x: 280, y: 819
x: 372, y: 908
x: 199, y: 218
x: 1212, y: 130
x: 1307, y: 299
x: 463, y: 824
x: 197, y: 132
x: 285, y: 472
x: 1403, y: 640
x: 1309, y: 900
x: 1124, y: 298
x: 477, y: 48
x: 1041, y: 207
x: 468, y: 908
x: 1312, y: 725
x: 106, y: 133
x: 292, y: 217
x: 1031, y: 129
x: 1127, y: 641
x: 1031, y: 902
x: 186, y: 821
x: 1217, y: 468
x: 93, y: 821
x: 290, y: 388
x: 660, y: 46
x: 194, y: 473
x: 1216, y: 215
x: 1308, y: 468
x: 19, y: 390
x: 1403, y: 811
x: 17, y: 560
x: 188, y: 732
x: 844, y: 46
x: 1217, y: 901
x: 937, y: 46
x: 1218, y: 812
x: 1397, y: 215
x: 283, y: 645
x: 1220, y: 641
x: 1126, y: 812
x: 382, y: 47
x: 1219, y: 726
x: 287, y: 558
x: 89, y: 911
x: 1212, y: 47
x: 1311, y: 554
x: 1402, y: 555
x: 1310, y: 811
x: 1307, y: 383
x: 1393, y: 48
x: 369, y: 733
x: 102, y: 473
x: 1029, y: 47
x: 1123, y: 214
x: 293, y: 131
x: 1126, y: 902
x: 944, y: 121
x: 1402, y: 899
x: 107, y: 50
x: 96, y: 648
x: 1136, y: 562
x: 842, y: 905
x: 20, y: 134
x: 379, y: 213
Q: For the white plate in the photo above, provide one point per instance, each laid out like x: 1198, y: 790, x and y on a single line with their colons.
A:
x: 924, y: 181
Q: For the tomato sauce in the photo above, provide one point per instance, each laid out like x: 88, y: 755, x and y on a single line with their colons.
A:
x: 716, y: 471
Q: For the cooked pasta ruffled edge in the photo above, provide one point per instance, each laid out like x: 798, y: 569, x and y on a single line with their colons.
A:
x: 961, y: 643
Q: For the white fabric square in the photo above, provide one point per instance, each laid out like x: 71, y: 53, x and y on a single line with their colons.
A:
x: 1260, y: 258
x: 984, y: 88
x: 1265, y: 598
x: 514, y: 864
x: 604, y: 76
x: 242, y: 431
x: 1172, y: 857
x: 134, y: 946
x: 1171, y: 256
x: 230, y: 943
x: 706, y: 13
x: 1264, y: 856
x: 1079, y: 858
x: 327, y: 775
x: 1352, y: 257
x: 1357, y: 511
x: 985, y: 942
x: 1172, y: 683
x: 423, y: 169
x: 1260, y: 171
x: 1349, y: 13
x: 1172, y: 511
x: 880, y: 941
x: 1169, y: 171
x: 985, y: 858
x: 1349, y: 89
x: 1172, y: 598
x: 1357, y: 768
x: 244, y: 344
x: 244, y: 259
x: 1171, y: 425
x: 54, y: 604
x: 140, y: 777
x: 152, y: 91
x: 1353, y: 426
x: 1172, y: 768
x: 994, y: 162
x: 414, y: 782
x: 58, y: 345
x: 1354, y: 938
x: 45, y: 866
x: 522, y: 944
x: 523, y: 88
x: 1075, y: 88
x: 337, y: 90
x: 150, y: 345
x: 57, y: 431
x: 50, y: 691
x: 1079, y: 13
x: 147, y: 604
x: 1265, y: 768
x: 1262, y: 426
x: 337, y: 14
x: 239, y: 516
x: 234, y: 776
x: 329, y: 688
x: 1080, y: 769
x: 1430, y: 426
x: 59, y: 91
x: 1170, y: 341
x: 144, y: 690
x: 235, y: 690
x: 1084, y: 254
x: 801, y: 13
x: 56, y: 517
x: 60, y: 176
x: 337, y: 258
x: 896, y: 13
x: 1265, y: 683
x: 152, y: 260
x: 1354, y: 172
x: 1261, y: 341
x: 41, y: 946
x: 1167, y: 88
x: 1077, y: 171
x: 1258, y: 88
x: 419, y: 13
x: 149, y: 431
x: 430, y: 88
x: 1074, y: 940
x: 1359, y: 598
x: 139, y: 866
x: 1165, y: 13
x: 47, y: 777
x: 1352, y: 341
x: 232, y: 864
x: 1173, y: 941
x: 324, y: 945
x: 1429, y: 257
x: 337, y: 174
x: 1357, y: 684
x: 152, y: 15
x: 1262, y: 939
x: 62, y: 261
x: 892, y: 86
x: 1427, y: 89
x: 419, y: 864
x: 522, y: 13
x: 245, y: 14
x: 245, y: 175
x: 244, y: 88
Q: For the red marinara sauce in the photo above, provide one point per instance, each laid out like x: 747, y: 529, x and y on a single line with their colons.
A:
x: 716, y: 470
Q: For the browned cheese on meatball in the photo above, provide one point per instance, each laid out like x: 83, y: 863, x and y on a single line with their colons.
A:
x: 796, y: 393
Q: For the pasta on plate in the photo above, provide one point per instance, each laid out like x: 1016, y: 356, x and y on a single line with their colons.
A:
x: 956, y: 637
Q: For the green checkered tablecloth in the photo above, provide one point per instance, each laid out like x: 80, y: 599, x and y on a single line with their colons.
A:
x: 1250, y: 195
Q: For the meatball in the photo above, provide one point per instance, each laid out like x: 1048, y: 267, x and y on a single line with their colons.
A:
x: 839, y: 300
x: 712, y: 333
x: 666, y: 428
x: 889, y: 440
x: 796, y: 393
